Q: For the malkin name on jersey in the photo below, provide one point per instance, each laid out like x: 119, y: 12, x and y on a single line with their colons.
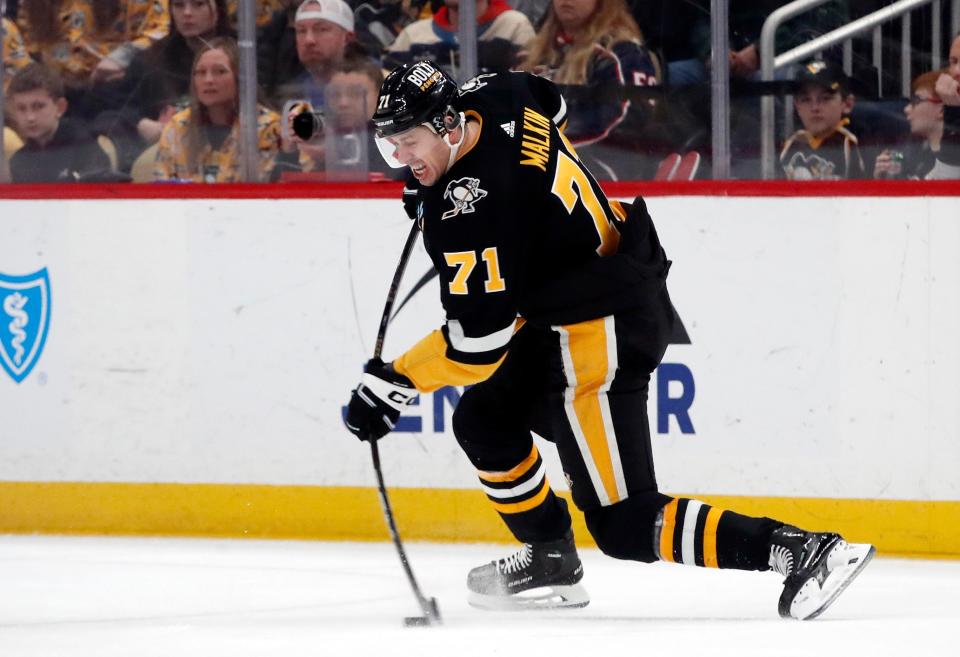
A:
x: 536, y: 139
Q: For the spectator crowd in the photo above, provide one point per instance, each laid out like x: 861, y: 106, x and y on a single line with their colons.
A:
x: 149, y: 90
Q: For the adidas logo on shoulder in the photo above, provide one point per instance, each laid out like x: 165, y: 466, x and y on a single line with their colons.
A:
x: 509, y: 127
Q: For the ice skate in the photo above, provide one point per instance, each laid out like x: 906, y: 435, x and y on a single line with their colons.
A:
x: 538, y: 576
x: 817, y: 568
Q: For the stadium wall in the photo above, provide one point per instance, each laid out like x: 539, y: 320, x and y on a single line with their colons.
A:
x: 186, y: 372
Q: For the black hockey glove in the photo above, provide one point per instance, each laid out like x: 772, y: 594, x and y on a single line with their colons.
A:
x: 376, y: 403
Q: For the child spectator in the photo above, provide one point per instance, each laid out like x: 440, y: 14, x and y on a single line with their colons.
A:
x: 55, y: 148
x: 501, y: 34
x: 83, y: 38
x: 593, y: 43
x: 201, y: 143
x: 351, y: 97
x: 924, y: 112
x: 15, y: 54
x: 948, y: 90
x: 825, y: 149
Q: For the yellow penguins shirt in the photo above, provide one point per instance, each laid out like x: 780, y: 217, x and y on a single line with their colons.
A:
x: 80, y: 45
x: 15, y: 54
x: 518, y: 227
x: 214, y: 164
x: 834, y: 157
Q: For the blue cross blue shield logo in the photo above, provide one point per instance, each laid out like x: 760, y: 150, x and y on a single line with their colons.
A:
x: 24, y: 320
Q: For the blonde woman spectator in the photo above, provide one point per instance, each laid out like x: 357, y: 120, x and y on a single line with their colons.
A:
x: 594, y: 43
x: 83, y: 38
x: 15, y: 54
x: 201, y: 143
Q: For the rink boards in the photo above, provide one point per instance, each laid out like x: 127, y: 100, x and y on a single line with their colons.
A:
x: 181, y: 366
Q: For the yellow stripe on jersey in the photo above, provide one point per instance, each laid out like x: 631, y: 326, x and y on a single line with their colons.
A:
x: 666, y: 531
x: 566, y: 141
x: 515, y: 472
x: 710, y: 537
x: 427, y: 366
x: 589, y: 355
x: 525, y: 505
x: 618, y: 210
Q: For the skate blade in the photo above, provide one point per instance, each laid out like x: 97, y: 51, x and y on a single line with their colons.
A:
x: 545, y: 597
x: 812, y: 600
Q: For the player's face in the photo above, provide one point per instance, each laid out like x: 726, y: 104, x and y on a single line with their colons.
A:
x: 193, y: 18
x: 424, y: 152
x: 821, y: 109
x: 214, y: 80
x: 36, y: 114
x: 924, y: 113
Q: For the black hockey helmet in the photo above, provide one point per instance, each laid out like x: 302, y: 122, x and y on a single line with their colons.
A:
x: 416, y: 94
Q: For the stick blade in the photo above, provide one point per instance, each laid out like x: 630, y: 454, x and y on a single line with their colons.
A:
x: 431, y: 618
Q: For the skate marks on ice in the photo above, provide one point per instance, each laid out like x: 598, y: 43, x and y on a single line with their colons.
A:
x: 185, y: 598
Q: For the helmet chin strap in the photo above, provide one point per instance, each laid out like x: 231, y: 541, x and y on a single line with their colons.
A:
x: 455, y: 148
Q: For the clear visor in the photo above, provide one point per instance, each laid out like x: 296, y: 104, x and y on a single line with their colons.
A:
x: 388, y: 151
x: 400, y: 149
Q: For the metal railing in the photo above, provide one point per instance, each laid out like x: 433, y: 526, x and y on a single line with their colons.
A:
x: 249, y: 139
x: 720, y: 88
x: 770, y: 62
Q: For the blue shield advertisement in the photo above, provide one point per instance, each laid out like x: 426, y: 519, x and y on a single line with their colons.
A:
x: 24, y: 320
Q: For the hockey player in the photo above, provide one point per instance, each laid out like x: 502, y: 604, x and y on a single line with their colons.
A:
x: 557, y: 309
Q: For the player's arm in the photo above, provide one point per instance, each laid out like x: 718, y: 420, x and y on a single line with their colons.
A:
x: 437, y: 360
x: 481, y: 320
x: 477, y: 287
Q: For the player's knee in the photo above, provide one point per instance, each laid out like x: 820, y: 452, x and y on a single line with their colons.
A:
x: 469, y: 425
x: 625, y: 530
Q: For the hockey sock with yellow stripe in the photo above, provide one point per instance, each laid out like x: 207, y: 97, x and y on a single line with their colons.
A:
x: 696, y: 534
x: 523, y: 498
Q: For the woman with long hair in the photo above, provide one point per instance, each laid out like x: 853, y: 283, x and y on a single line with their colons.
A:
x: 592, y: 43
x: 78, y: 37
x: 201, y: 143
x: 159, y: 78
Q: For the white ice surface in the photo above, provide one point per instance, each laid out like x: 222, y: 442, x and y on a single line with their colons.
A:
x: 79, y: 597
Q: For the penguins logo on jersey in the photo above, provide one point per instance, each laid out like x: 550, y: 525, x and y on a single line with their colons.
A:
x: 475, y: 83
x: 814, y: 167
x: 463, y: 193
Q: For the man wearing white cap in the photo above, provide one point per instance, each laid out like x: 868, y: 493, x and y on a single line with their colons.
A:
x: 323, y: 28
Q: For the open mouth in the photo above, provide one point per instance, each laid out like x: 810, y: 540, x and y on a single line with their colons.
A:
x: 418, y: 169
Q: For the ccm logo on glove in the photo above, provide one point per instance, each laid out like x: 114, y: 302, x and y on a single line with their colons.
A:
x: 376, y: 403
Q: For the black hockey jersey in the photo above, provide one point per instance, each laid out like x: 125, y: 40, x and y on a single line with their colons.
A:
x: 834, y: 157
x: 518, y: 228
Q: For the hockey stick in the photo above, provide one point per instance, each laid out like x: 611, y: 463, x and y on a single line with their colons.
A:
x: 426, y: 278
x: 431, y: 613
